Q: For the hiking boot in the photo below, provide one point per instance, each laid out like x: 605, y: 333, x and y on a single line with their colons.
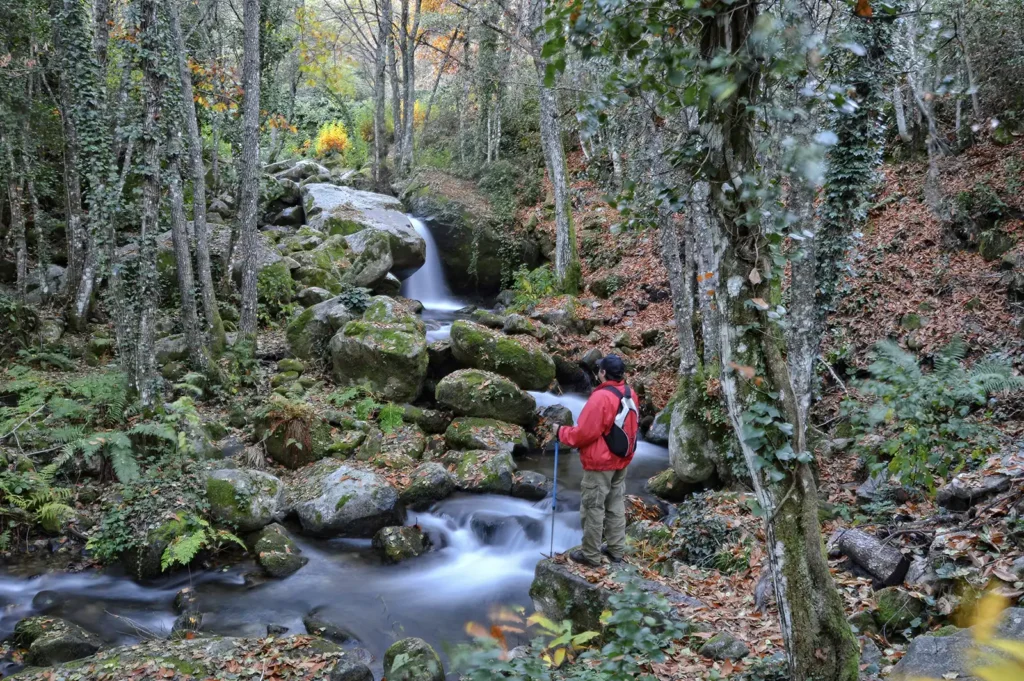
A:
x: 613, y: 558
x: 578, y: 557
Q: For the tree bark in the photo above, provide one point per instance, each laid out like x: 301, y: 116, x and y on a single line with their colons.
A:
x: 16, y: 194
x: 380, y: 93
x: 409, y: 73
x: 183, y: 259
x: 214, y: 326
x: 885, y: 563
x: 396, y: 99
x: 249, y: 170
x: 901, y: 114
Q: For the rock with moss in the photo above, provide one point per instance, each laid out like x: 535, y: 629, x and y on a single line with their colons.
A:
x: 320, y: 622
x: 408, y: 250
x: 293, y: 433
x: 531, y: 485
x: 396, y: 544
x: 430, y: 482
x: 310, y: 333
x: 896, y: 609
x: 667, y: 485
x: 145, y: 560
x: 50, y: 640
x: 520, y: 325
x: 389, y: 357
x: 488, y: 319
x: 245, y: 500
x: 407, y: 440
x: 480, y: 433
x: 692, y: 453
x: 605, y: 287
x: 470, y: 392
x: 431, y: 421
x: 658, y: 433
x: 724, y: 647
x: 277, y: 553
x: 335, y: 500
x: 482, y: 471
x: 373, y: 264
x: 412, y: 659
x: 478, y: 347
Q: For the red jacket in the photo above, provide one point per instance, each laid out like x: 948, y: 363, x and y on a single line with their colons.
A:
x: 596, y: 421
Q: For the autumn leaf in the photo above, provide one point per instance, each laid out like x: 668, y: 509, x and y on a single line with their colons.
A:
x: 863, y: 8
x: 760, y: 303
x: 744, y: 371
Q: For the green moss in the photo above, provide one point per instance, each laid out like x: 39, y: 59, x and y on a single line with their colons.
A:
x: 342, y: 226
x: 221, y: 494
x: 342, y: 501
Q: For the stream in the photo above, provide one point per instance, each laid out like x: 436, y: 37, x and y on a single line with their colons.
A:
x: 486, y: 548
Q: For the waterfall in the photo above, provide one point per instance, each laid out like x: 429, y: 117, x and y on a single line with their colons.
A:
x: 428, y: 284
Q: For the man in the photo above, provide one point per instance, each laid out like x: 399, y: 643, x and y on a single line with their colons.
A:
x: 606, y: 437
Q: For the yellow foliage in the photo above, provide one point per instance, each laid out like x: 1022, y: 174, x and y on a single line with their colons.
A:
x: 994, y: 659
x: 419, y: 115
x: 332, y: 138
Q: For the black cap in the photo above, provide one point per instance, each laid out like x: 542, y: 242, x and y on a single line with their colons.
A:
x: 613, y: 366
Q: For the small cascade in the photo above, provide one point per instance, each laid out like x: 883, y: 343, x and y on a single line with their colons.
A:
x: 428, y: 284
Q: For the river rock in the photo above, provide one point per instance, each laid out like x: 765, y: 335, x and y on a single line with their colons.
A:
x: 246, y: 500
x: 308, y: 334
x: 50, y: 640
x: 412, y: 659
x: 481, y: 471
x: 556, y: 413
x: 470, y: 392
x: 277, y: 553
x: 318, y: 622
x: 395, y: 544
x: 658, y: 433
x: 430, y: 482
x: 949, y: 657
x: 478, y: 347
x: 724, y: 647
x: 478, y: 433
x: 531, y: 485
x: 335, y: 500
x: 186, y: 600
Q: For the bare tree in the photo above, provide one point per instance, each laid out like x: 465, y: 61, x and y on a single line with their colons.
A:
x: 249, y: 167
x: 379, y: 103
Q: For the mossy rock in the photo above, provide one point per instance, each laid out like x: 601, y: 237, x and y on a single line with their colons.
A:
x: 482, y: 471
x: 430, y: 420
x: 397, y: 544
x: 389, y: 357
x: 606, y: 286
x: 277, y: 553
x: 470, y: 392
x: 412, y: 659
x: 308, y: 334
x: 295, y: 441
x: 244, y: 500
x: 50, y: 641
x: 667, y: 485
x: 488, y: 319
x: 479, y: 433
x: 430, y: 482
x: 993, y: 243
x: 896, y: 609
x: 335, y: 500
x: 478, y: 347
x: 407, y: 440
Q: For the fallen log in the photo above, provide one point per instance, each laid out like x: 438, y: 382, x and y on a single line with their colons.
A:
x: 885, y: 563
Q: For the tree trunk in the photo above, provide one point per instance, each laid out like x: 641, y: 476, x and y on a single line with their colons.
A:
x: 901, y: 114
x: 409, y: 72
x: 214, y: 326
x: 15, y: 191
x: 101, y: 30
x: 380, y: 93
x: 249, y: 170
x: 183, y: 259
x: 396, y: 98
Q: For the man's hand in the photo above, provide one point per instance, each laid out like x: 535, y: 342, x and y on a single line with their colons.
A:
x: 554, y: 431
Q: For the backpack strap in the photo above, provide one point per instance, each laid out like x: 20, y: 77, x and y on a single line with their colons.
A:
x: 615, y: 390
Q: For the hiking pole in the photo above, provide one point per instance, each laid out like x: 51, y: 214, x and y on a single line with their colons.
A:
x: 554, y: 500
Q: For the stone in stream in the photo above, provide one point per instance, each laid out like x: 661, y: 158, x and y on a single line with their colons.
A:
x: 186, y: 600
x: 246, y: 500
x: 277, y: 553
x: 412, y: 659
x: 430, y: 482
x: 469, y: 392
x: 531, y: 485
x: 481, y: 471
x: 395, y: 544
x: 658, y: 433
x: 335, y: 500
x: 318, y: 623
x: 51, y: 640
x: 309, y: 334
x: 521, y: 360
x: 477, y: 433
x: 950, y: 657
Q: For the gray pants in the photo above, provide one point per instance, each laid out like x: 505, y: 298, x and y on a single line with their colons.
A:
x: 603, y: 512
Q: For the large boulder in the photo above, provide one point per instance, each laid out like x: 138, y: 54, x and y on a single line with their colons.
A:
x: 294, y: 436
x: 391, y: 357
x: 693, y: 455
x: 470, y: 392
x: 354, y: 214
x: 308, y: 334
x: 395, y: 544
x: 950, y: 657
x: 430, y: 482
x: 482, y: 471
x: 335, y: 500
x: 215, y: 658
x: 477, y: 433
x: 372, y: 265
x: 277, y: 553
x: 245, y: 500
x: 412, y: 659
x: 50, y: 640
x: 302, y: 170
x: 517, y: 358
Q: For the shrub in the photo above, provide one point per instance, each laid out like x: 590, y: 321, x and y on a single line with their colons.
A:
x: 332, y: 139
x: 529, y: 286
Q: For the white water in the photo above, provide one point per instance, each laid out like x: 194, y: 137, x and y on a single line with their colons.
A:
x: 428, y: 284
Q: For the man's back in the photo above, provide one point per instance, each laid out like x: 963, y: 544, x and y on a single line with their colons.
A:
x: 595, y: 422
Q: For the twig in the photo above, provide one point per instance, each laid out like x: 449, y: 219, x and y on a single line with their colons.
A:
x: 21, y: 423
x: 834, y: 374
x: 785, y: 498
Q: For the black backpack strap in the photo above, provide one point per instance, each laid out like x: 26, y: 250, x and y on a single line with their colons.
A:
x: 615, y: 390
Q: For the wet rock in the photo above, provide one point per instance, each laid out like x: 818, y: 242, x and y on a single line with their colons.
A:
x: 960, y: 495
x: 478, y: 347
x: 938, y: 657
x: 895, y: 609
x: 667, y: 485
x: 186, y: 625
x: 658, y: 433
x: 336, y: 500
x: 277, y: 553
x: 317, y: 623
x: 724, y: 647
x: 412, y: 659
x: 556, y: 413
x: 531, y: 485
x: 309, y: 334
x: 430, y: 482
x: 276, y: 629
x: 50, y: 640
x: 470, y: 392
x: 395, y: 544
x: 571, y: 376
x: 244, y: 499
x: 479, y: 433
x: 186, y: 600
x: 482, y: 472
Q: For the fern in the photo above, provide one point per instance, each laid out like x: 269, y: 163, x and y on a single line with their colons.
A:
x: 390, y: 418
x: 341, y: 398
x: 46, y: 359
x: 365, y: 407
x: 183, y: 549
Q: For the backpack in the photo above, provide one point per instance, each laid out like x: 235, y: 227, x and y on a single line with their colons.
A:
x: 618, y: 441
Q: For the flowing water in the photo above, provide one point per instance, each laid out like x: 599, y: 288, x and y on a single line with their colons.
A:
x: 486, y: 548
